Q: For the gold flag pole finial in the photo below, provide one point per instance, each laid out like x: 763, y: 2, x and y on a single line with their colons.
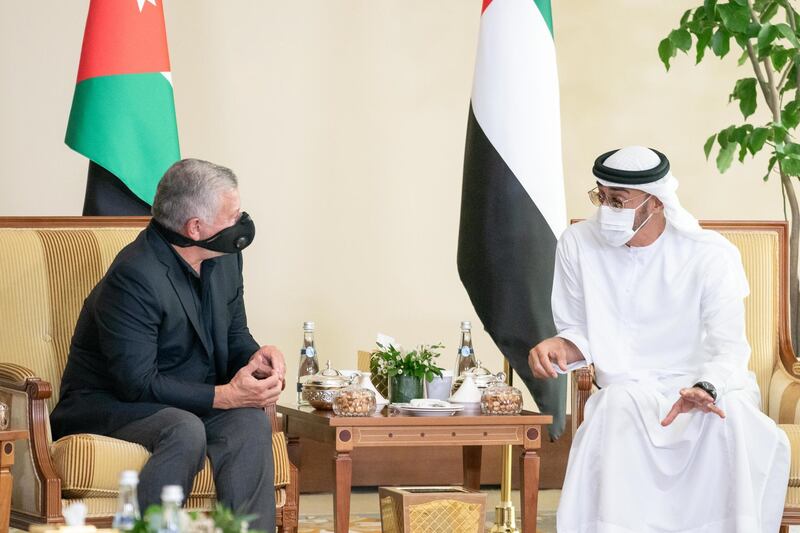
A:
x: 504, y: 515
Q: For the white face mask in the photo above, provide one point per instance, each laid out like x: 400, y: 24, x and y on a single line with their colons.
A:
x: 616, y: 227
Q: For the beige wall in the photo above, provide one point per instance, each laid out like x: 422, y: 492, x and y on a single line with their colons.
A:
x: 345, y: 121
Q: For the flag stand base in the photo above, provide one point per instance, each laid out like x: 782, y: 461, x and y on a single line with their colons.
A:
x: 504, y: 514
x: 504, y: 519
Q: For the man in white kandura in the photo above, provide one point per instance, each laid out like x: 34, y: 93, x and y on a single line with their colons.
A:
x: 674, y: 440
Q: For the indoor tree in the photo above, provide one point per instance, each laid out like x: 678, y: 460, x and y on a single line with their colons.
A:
x: 763, y: 33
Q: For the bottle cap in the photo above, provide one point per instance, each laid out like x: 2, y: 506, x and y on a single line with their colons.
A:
x: 172, y: 493
x: 308, y: 326
x: 129, y: 477
x: 466, y: 325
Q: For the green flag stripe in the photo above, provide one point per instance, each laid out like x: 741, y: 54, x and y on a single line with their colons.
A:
x: 126, y: 123
x: 546, y: 11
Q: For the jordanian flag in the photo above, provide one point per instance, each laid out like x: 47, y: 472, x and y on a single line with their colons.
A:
x: 123, y: 112
x: 512, y: 203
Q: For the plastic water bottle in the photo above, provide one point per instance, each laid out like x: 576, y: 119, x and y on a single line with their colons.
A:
x: 171, y: 500
x: 127, y: 504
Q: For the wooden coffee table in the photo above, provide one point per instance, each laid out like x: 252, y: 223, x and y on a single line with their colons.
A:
x: 7, y: 439
x: 469, y: 430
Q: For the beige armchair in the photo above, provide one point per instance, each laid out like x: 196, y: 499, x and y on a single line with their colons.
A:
x: 47, y: 268
x: 765, y: 254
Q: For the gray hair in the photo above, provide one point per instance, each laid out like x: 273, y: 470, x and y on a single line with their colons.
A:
x: 191, y: 188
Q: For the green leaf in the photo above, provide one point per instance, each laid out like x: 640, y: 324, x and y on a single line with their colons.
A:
x: 790, y: 115
x: 743, y: 58
x: 792, y: 149
x: 745, y: 92
x: 779, y: 133
x: 791, y: 165
x: 722, y: 136
x: 709, y: 144
x: 681, y: 39
x: 769, y: 12
x: 703, y: 40
x: 685, y: 17
x: 666, y: 51
x: 741, y: 2
x: 699, y: 17
x: 788, y: 33
x: 743, y: 150
x: 757, y: 140
x: 780, y: 56
x: 725, y: 157
x: 767, y: 34
x: 710, y: 6
x: 720, y: 42
x: 735, y: 17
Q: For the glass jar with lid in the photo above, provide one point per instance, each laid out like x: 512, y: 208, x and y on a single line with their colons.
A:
x: 501, y: 399
x: 354, y: 400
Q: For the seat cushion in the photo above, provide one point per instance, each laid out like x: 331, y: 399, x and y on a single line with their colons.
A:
x: 107, y: 506
x: 89, y: 465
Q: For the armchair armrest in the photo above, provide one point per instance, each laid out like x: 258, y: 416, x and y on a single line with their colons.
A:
x: 14, y: 376
x: 21, y: 380
x: 786, y: 352
x: 581, y: 390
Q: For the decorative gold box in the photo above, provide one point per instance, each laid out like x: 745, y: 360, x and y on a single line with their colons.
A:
x: 432, y: 510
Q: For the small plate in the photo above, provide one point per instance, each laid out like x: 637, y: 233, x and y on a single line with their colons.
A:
x: 427, y: 411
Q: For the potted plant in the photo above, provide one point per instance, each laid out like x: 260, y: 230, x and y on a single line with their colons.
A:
x: 406, y: 370
x: 765, y: 35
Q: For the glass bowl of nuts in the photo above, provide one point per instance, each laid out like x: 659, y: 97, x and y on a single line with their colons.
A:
x: 501, y: 399
x: 354, y: 400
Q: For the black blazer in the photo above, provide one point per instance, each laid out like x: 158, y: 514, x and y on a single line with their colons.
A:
x: 138, y: 346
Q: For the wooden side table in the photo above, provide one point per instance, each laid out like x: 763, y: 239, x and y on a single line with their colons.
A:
x: 7, y: 439
x: 468, y: 430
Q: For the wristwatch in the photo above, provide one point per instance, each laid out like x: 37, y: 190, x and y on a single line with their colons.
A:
x: 708, y: 387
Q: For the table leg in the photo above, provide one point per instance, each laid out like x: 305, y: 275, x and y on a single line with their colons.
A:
x: 529, y: 489
x: 472, y: 466
x: 343, y: 475
x: 6, y: 460
x: 293, y: 449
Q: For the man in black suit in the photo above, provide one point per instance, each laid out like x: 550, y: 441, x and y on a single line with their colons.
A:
x: 162, y: 355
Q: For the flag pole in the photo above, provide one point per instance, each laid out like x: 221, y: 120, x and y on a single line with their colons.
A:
x: 504, y: 515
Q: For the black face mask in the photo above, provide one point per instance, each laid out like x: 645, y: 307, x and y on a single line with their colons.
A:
x: 228, y: 241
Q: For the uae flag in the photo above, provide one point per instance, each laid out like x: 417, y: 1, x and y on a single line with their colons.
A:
x: 512, y: 202
x: 123, y: 112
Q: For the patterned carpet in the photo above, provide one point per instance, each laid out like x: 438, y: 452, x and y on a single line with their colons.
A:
x: 372, y: 524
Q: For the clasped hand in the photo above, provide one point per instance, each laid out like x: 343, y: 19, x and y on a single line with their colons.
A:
x: 257, y: 384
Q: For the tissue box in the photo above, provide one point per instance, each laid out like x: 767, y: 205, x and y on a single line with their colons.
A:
x: 432, y: 510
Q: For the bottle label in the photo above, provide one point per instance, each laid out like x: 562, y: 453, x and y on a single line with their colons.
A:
x: 299, y: 387
x: 308, y: 352
x: 465, y: 351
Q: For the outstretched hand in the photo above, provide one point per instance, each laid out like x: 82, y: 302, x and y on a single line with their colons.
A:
x: 692, y: 398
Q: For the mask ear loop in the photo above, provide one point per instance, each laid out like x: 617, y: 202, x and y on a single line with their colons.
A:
x: 648, y: 216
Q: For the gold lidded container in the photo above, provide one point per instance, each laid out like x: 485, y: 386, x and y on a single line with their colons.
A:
x: 320, y: 389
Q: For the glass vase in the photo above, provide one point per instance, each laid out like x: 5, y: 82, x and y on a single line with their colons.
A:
x: 403, y: 389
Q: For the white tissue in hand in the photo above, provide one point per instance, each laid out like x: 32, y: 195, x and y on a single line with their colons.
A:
x: 75, y: 514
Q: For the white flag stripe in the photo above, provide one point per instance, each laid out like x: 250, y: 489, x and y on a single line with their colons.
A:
x: 515, y: 100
